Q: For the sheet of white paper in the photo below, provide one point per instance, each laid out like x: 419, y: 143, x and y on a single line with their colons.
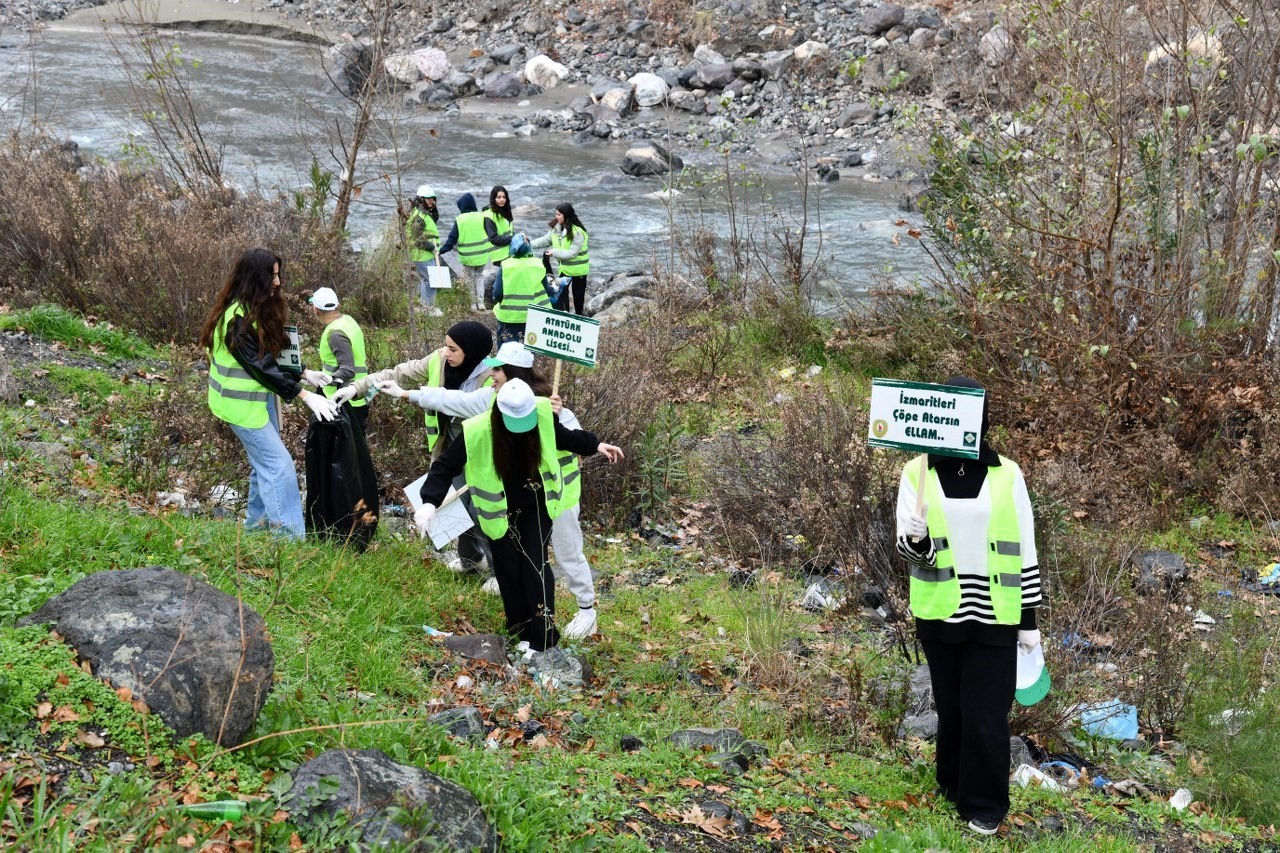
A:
x: 438, y: 278
x: 452, y: 519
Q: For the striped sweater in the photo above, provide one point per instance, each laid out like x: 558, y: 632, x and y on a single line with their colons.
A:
x: 967, y: 537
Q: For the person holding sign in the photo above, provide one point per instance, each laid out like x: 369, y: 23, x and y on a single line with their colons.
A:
x: 242, y: 334
x: 966, y: 529
x: 457, y: 366
x: 521, y: 284
x: 568, y: 241
x: 422, y: 236
x: 513, y: 361
x: 510, y: 457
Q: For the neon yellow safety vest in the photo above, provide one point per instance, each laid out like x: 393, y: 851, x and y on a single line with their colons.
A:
x: 435, y: 379
x: 418, y: 225
x: 329, y: 362
x: 501, y: 225
x: 935, y: 593
x: 487, y: 494
x: 579, y: 264
x: 234, y: 395
x: 473, y: 244
x: 521, y: 288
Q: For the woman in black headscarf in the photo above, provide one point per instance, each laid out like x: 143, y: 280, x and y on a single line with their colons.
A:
x: 975, y: 586
x: 458, y: 366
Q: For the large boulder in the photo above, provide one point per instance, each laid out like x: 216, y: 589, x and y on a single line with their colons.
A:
x: 198, y: 657
x: 881, y: 19
x: 996, y: 47
x: 364, y: 785
x: 544, y: 71
x: 502, y: 86
x: 650, y: 89
x: 348, y: 65
x: 638, y: 285
x: 650, y: 158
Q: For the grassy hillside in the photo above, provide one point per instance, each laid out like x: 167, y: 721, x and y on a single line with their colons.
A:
x: 693, y: 635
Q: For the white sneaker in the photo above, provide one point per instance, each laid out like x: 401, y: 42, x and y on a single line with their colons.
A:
x: 491, y: 587
x: 583, y: 625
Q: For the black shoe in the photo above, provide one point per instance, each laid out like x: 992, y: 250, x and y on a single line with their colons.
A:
x: 984, y: 827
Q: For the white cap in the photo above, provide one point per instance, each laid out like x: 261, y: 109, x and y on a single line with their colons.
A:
x: 324, y: 298
x: 518, y: 405
x: 425, y: 191
x: 512, y: 353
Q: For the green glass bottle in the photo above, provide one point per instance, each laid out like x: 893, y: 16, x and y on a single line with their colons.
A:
x: 231, y: 810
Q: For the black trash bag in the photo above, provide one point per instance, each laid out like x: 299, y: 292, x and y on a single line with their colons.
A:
x: 342, y: 487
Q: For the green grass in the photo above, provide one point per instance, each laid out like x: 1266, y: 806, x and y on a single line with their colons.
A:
x: 58, y: 324
x: 354, y: 669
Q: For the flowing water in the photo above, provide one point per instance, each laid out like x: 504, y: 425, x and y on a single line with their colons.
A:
x: 270, y: 106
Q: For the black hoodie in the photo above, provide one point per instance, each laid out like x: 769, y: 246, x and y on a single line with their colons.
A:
x: 466, y: 204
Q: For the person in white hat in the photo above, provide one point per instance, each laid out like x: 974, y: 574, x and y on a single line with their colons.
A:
x: 513, y: 361
x: 511, y: 456
x: 422, y: 236
x: 342, y: 352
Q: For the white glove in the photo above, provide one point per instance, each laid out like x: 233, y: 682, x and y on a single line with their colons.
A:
x: 344, y: 395
x: 915, y: 526
x: 317, y: 378
x: 390, y: 386
x: 320, y: 406
x: 423, y: 518
x: 1028, y: 640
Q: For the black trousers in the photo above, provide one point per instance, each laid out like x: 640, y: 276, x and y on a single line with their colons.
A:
x: 473, y: 546
x: 973, y: 688
x: 578, y: 285
x: 524, y: 576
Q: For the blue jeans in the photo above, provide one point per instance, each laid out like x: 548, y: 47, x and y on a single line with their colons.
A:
x: 274, y: 499
x: 426, y: 293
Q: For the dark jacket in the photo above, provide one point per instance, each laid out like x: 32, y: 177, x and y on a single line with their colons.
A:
x: 466, y: 204
x: 242, y: 341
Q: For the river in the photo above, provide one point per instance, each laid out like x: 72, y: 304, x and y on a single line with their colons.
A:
x: 268, y: 103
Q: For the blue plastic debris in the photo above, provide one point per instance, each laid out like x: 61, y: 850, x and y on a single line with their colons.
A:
x: 1114, y: 720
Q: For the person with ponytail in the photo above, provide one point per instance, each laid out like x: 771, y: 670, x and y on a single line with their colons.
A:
x: 510, y: 457
x: 243, y: 333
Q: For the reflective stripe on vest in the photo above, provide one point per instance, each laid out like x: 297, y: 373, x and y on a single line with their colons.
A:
x: 501, y: 225
x: 488, y: 496
x: 234, y: 395
x: 418, y: 225
x: 579, y: 264
x: 521, y: 288
x: 329, y: 362
x: 935, y: 593
x: 473, y: 244
x: 435, y: 379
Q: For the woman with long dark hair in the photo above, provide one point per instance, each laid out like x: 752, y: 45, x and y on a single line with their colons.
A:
x: 510, y: 457
x: 568, y: 241
x: 243, y: 334
x: 499, y: 227
x: 513, y: 361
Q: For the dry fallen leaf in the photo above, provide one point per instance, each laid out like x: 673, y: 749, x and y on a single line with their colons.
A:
x: 89, y: 739
x: 525, y: 712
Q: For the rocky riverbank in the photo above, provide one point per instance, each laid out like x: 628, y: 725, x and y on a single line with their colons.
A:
x: 841, y: 85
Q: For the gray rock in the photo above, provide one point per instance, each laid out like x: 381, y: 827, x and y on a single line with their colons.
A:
x: 368, y: 783
x: 776, y: 63
x: 441, y: 25
x: 717, y: 809
x: 624, y: 311
x: 575, y: 16
x: 650, y: 158
x: 924, y: 726
x: 715, y: 75
x: 484, y: 647
x: 502, y: 86
x: 996, y: 47
x: 630, y: 743
x: 921, y: 39
x: 683, y: 99
x: 348, y: 65
x: 747, y: 70
x: 199, y: 658
x: 618, y: 287
x: 463, y: 84
x: 864, y: 831
x: 732, y: 763
x: 851, y: 159
x: 466, y: 723
x: 650, y: 89
x: 506, y: 53
x: 724, y: 740
x: 859, y: 112
x: 705, y: 54
x: 880, y: 19
x: 54, y: 453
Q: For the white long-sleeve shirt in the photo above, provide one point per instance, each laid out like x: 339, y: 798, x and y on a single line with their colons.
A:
x: 466, y: 404
x: 967, y: 520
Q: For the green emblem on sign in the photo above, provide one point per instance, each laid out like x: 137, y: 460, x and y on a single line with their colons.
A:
x: 970, y: 439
